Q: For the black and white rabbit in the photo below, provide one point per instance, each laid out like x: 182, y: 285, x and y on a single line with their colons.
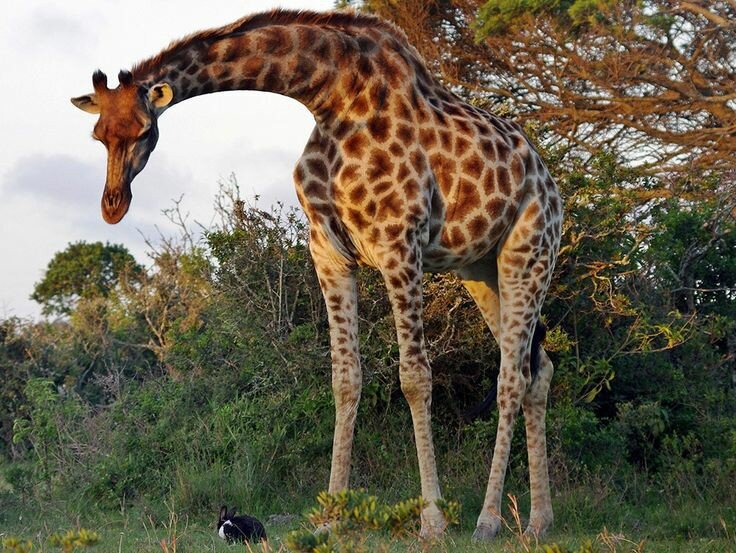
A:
x: 240, y: 528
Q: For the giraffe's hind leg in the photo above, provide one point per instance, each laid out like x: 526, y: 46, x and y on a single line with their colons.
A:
x: 481, y: 281
x: 511, y: 299
x: 535, y: 410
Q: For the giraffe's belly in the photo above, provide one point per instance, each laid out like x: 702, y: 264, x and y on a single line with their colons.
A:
x: 447, y: 243
x: 445, y: 246
x: 459, y: 238
x: 438, y: 257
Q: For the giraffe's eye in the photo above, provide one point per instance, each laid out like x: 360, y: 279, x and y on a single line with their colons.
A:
x: 145, y: 134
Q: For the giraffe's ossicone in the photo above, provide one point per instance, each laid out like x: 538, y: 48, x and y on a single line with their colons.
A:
x: 399, y: 174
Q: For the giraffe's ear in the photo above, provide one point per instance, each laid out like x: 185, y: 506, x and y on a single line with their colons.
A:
x: 87, y: 103
x: 160, y: 95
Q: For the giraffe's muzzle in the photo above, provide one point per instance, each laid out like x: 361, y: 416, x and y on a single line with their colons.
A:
x: 115, y: 204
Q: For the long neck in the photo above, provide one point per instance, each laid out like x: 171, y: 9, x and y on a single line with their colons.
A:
x: 311, y: 64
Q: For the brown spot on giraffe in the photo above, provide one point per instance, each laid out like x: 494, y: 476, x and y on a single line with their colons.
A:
x: 427, y: 138
x: 495, y: 208
x: 411, y: 189
x: 379, y: 165
x: 358, y: 194
x: 445, y: 139
x: 517, y: 169
x: 389, y: 207
x: 478, y: 227
x: 318, y: 168
x: 379, y: 128
x: 473, y: 166
x: 406, y: 134
x: 355, y: 145
x: 467, y: 199
x: 403, y: 172
x: 381, y: 188
x: 378, y: 94
x: 502, y: 180
x: 396, y: 150
x: 360, y: 106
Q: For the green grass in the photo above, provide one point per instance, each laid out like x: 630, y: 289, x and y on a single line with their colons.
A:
x: 684, y: 528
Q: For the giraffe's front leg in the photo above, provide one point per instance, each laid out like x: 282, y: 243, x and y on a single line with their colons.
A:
x: 404, y: 285
x: 340, y: 293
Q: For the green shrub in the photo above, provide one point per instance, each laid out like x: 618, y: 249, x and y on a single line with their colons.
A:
x: 347, y: 520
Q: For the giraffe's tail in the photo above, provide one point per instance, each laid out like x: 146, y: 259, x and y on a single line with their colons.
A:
x: 481, y: 409
x: 540, y: 332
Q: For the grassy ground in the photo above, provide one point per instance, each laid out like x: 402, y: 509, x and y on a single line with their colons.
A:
x: 687, y: 528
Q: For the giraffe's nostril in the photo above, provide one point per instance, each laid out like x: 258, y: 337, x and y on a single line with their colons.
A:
x: 112, y: 200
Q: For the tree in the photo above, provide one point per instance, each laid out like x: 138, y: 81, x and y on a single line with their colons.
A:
x: 83, y: 270
x: 649, y: 81
x: 14, y: 373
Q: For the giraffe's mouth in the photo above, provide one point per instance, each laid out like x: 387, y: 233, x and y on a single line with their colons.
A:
x: 115, y: 204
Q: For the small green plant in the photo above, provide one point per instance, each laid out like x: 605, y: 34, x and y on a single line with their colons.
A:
x: 68, y: 542
x: 344, y: 521
x: 14, y: 545
x: 451, y: 510
x: 587, y: 547
x: 73, y: 540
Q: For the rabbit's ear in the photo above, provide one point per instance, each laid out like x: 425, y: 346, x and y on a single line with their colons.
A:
x: 231, y: 514
x: 223, y: 512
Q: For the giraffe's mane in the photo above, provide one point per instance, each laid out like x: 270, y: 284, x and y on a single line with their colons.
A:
x: 344, y: 19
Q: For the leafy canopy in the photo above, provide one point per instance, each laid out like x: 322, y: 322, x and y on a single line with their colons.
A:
x: 83, y: 270
x: 495, y: 16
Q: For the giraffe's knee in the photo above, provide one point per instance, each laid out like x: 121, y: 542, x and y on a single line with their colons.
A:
x: 416, y: 381
x: 546, y: 370
x: 537, y: 393
x: 346, y: 387
x: 512, y: 386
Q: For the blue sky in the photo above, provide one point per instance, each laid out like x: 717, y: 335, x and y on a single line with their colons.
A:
x: 52, y: 172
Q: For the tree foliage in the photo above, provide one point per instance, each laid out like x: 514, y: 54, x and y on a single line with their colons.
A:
x: 650, y: 82
x: 82, y: 270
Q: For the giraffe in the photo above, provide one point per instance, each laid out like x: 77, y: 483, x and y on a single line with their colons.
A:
x: 399, y: 174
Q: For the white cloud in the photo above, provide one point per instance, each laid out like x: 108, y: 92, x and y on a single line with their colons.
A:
x: 53, y: 32
x: 51, y: 179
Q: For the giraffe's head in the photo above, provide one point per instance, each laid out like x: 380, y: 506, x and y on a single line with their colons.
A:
x: 127, y: 126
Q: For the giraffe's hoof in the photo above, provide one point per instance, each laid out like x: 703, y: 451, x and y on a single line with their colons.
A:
x: 433, y: 523
x: 485, y: 532
x: 431, y: 532
x: 538, y: 527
